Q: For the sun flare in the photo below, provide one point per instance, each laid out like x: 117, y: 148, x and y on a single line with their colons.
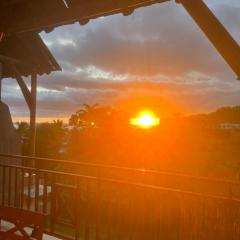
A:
x: 145, y: 119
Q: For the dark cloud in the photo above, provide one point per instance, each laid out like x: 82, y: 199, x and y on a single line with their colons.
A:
x: 161, y: 39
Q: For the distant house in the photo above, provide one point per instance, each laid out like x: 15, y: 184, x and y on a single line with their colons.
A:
x: 230, y: 125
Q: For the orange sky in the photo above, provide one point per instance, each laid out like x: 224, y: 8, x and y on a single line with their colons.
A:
x: 39, y: 119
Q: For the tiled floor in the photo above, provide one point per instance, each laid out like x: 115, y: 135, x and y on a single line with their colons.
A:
x: 5, y: 225
x: 47, y: 237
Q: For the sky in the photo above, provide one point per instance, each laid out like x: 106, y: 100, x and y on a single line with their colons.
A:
x: 155, y: 57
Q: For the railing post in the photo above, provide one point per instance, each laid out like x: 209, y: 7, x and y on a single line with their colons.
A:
x: 230, y: 209
x: 98, y: 204
x: 16, y: 190
x: 87, y: 209
x: 3, y: 185
x: 53, y: 203
x: 37, y: 182
x: 36, y: 189
x: 33, y: 114
x: 22, y: 188
x: 77, y: 212
x: 29, y: 185
x: 9, y: 186
x: 45, y: 193
x: 0, y: 81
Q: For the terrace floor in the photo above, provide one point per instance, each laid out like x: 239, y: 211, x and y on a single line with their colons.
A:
x: 5, y: 225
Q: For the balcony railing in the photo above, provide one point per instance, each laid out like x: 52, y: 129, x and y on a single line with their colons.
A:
x: 110, y: 202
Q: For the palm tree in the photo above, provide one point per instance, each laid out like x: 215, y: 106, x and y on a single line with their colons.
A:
x: 85, y: 116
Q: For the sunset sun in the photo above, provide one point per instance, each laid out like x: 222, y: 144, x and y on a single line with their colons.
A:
x: 145, y: 119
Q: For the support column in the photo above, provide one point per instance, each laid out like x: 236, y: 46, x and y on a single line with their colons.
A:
x: 0, y: 81
x: 215, y: 31
x: 33, y: 114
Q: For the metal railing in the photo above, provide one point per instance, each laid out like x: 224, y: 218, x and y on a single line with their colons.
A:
x: 101, y: 207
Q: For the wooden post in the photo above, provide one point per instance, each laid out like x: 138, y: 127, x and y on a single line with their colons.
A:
x: 0, y: 81
x: 33, y: 114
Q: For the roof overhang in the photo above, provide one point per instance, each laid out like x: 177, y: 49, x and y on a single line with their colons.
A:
x: 48, y: 14
x: 28, y: 54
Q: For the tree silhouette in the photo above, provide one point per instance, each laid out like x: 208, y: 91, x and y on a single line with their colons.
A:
x: 49, y: 138
x: 92, y: 129
x: 85, y: 116
x: 23, y: 129
x: 91, y: 116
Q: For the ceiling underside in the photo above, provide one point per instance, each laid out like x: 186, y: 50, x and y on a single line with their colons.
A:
x: 32, y: 54
x: 22, y: 20
x: 38, y: 15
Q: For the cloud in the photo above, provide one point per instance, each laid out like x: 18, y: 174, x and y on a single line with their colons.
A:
x: 161, y: 38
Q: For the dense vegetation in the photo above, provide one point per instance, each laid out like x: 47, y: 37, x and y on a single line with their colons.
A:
x: 49, y: 141
x: 197, y: 144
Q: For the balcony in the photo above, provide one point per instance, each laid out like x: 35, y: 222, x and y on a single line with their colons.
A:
x: 109, y: 202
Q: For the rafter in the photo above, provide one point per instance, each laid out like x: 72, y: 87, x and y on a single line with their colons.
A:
x: 215, y: 32
x: 25, y: 91
x: 46, y: 15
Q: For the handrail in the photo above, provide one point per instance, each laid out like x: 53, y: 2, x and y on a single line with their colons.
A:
x: 136, y: 170
x: 123, y: 182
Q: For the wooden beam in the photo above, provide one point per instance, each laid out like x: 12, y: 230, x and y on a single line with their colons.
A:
x: 30, y: 98
x: 215, y: 31
x: 33, y: 114
x: 13, y: 61
x: 0, y: 81
x: 81, y: 12
x: 25, y: 91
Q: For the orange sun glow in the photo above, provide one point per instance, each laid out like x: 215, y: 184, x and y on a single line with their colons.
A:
x: 145, y: 119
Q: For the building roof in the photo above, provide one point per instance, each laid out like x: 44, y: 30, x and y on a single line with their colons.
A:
x: 24, y: 15
x: 30, y: 54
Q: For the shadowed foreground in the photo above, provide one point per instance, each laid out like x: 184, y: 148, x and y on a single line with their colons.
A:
x: 97, y: 207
